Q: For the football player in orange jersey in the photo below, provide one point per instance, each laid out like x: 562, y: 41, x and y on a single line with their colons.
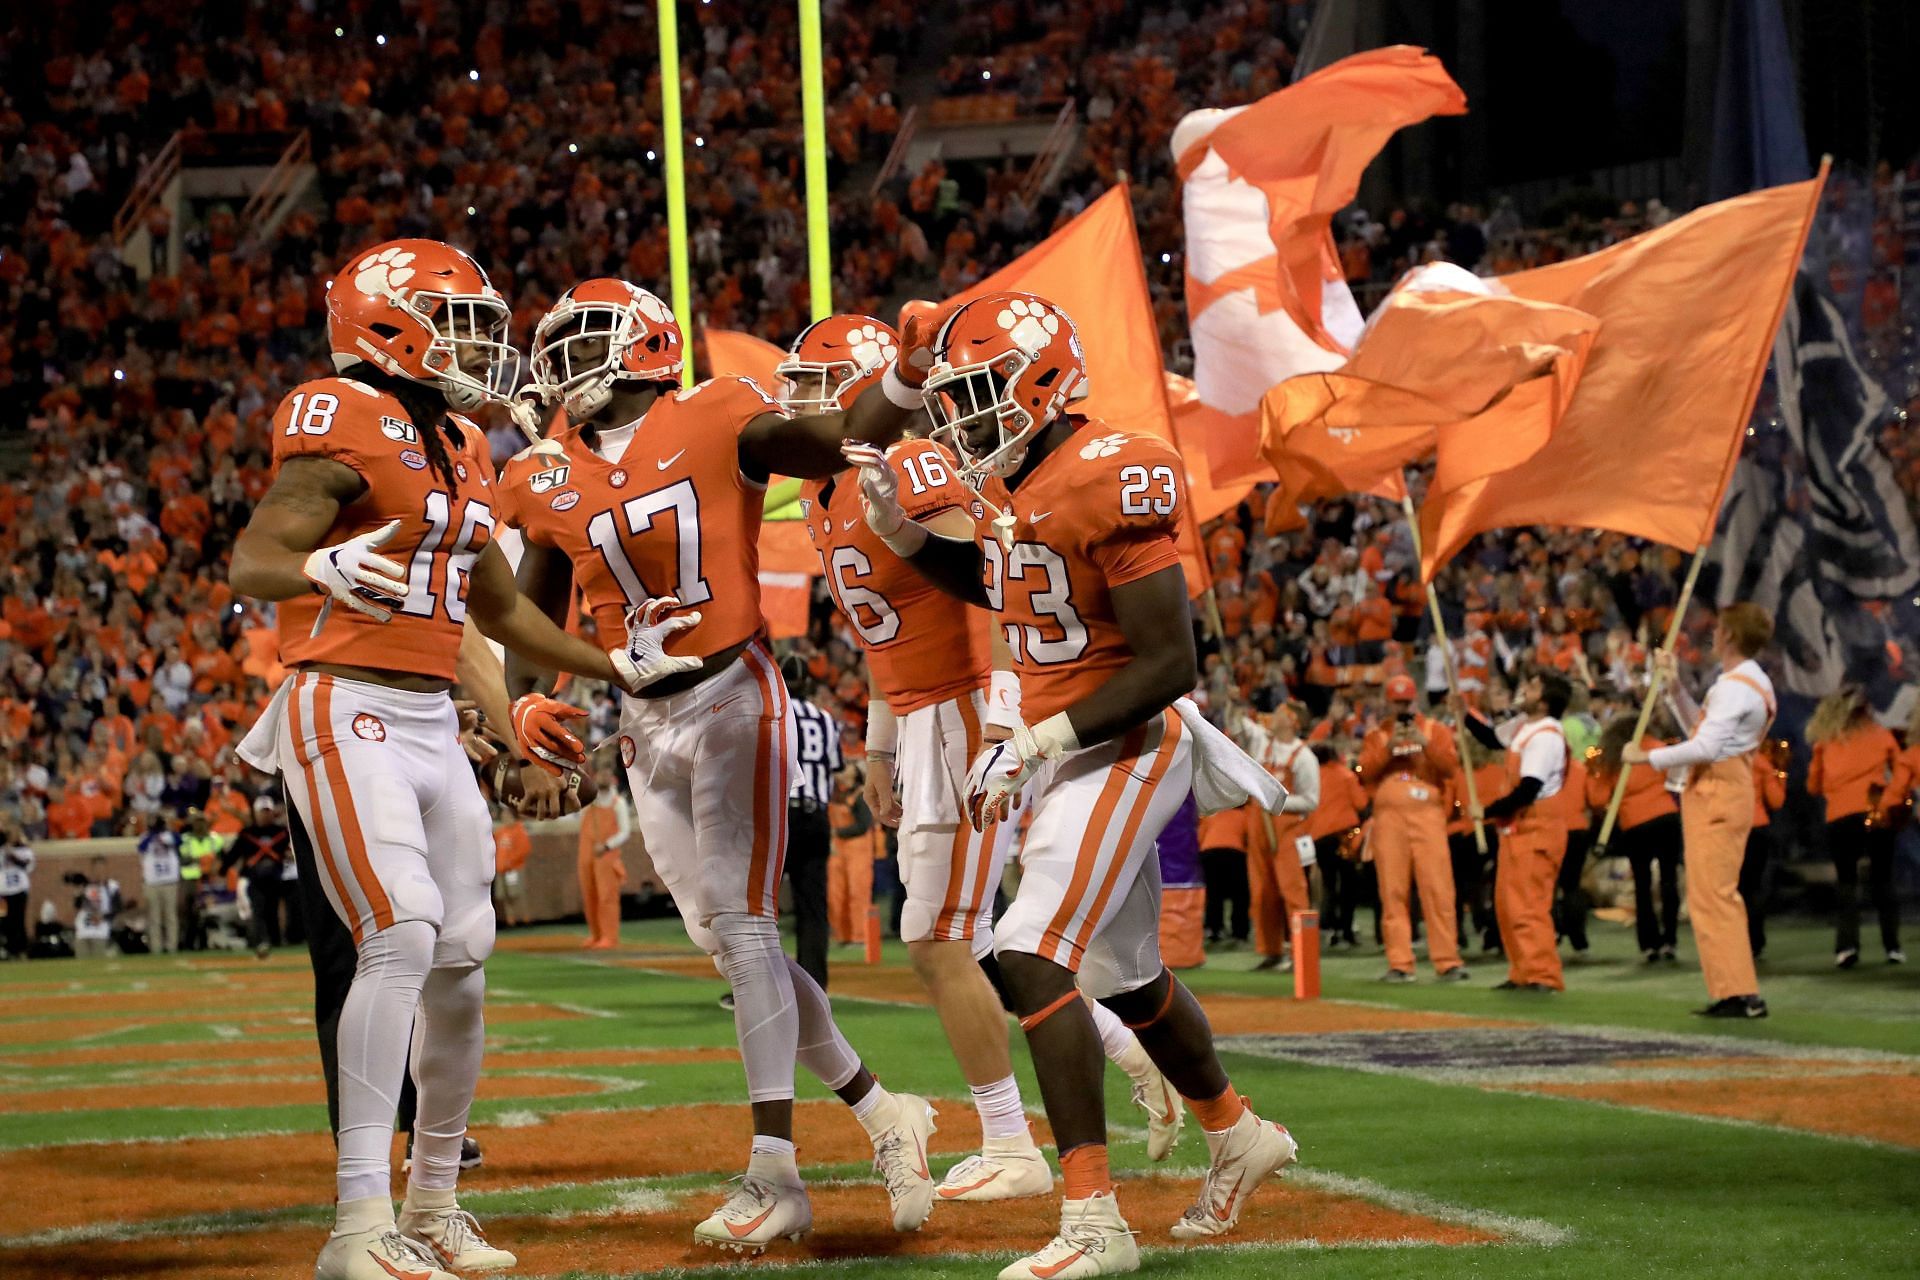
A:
x: 658, y: 491
x: 363, y: 731
x: 1080, y: 567
x: 935, y: 698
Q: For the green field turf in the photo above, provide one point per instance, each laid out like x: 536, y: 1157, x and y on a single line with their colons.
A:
x: 1588, y: 1189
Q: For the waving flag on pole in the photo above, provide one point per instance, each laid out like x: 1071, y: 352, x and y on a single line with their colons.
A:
x: 1093, y: 269
x: 1649, y: 438
x: 1265, y: 295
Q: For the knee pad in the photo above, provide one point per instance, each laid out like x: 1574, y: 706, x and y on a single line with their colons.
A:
x: 466, y: 941
x: 399, y: 954
x: 742, y: 940
x: 916, y: 920
x: 1108, y: 970
x: 983, y: 941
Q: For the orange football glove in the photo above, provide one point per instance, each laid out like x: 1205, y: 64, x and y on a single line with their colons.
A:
x: 543, y: 737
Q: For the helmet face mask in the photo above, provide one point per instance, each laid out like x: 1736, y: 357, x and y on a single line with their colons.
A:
x: 586, y: 346
x: 816, y: 386
x: 470, y: 355
x: 974, y: 415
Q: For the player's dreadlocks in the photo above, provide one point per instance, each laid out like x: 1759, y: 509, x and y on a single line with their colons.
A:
x: 427, y: 409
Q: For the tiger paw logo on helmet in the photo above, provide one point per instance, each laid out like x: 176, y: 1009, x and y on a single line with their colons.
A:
x: 1030, y: 324
x: 1104, y: 447
x: 387, y: 270
x: 872, y: 347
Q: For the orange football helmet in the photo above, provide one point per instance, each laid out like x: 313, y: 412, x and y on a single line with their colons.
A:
x: 834, y: 360
x: 423, y: 310
x: 602, y: 332
x: 1004, y: 366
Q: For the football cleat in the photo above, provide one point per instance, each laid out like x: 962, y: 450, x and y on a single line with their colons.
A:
x: 1243, y: 1157
x: 379, y: 1254
x: 900, y: 1158
x: 1165, y: 1115
x: 1005, y: 1169
x: 755, y: 1215
x: 1094, y: 1240
x: 454, y: 1237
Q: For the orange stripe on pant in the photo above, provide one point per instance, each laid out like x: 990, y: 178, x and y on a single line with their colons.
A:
x: 1409, y: 847
x: 1053, y: 944
x: 1170, y: 732
x: 1530, y: 857
x: 971, y: 850
x: 317, y: 819
x: 769, y: 773
x: 349, y: 817
x: 1715, y: 818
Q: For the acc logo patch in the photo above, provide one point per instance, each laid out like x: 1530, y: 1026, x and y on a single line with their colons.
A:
x: 618, y: 479
x: 369, y: 727
x: 398, y: 429
x: 565, y: 501
x: 551, y: 478
x: 627, y: 751
x: 413, y: 458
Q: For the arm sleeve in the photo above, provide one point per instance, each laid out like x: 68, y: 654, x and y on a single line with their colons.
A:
x: 1303, y: 786
x: 1713, y: 736
x: 1515, y: 800
x: 1483, y: 733
x: 622, y: 826
x: 1686, y: 711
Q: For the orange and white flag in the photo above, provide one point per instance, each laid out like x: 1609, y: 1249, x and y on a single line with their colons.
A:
x: 1266, y: 297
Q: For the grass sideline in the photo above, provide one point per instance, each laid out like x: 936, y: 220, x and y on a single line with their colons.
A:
x: 1585, y: 1188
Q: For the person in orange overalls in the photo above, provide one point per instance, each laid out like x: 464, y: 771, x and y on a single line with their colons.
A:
x: 604, y: 828
x: 1718, y: 804
x: 1408, y: 764
x: 858, y: 842
x: 511, y: 845
x: 1533, y: 837
x: 1276, y: 859
x: 1854, y: 767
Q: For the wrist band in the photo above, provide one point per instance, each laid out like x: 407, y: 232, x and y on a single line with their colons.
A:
x: 1003, y: 699
x: 883, y: 731
x: 1054, y: 736
x: 898, y: 393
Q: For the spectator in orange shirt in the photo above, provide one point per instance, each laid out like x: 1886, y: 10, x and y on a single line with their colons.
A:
x: 1335, y: 828
x: 1648, y: 835
x: 1223, y: 863
x: 69, y: 816
x: 1769, y: 793
x: 1373, y: 623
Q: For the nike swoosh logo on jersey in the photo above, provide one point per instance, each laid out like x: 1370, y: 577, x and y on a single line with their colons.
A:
x: 1038, y: 516
x: 664, y: 463
x: 847, y: 525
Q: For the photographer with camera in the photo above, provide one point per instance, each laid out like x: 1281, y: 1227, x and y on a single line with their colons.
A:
x: 1407, y: 765
x: 95, y: 907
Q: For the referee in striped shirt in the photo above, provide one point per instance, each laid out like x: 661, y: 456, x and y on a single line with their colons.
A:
x: 809, y: 834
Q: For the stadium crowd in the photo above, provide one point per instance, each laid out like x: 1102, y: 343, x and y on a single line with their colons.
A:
x: 530, y: 135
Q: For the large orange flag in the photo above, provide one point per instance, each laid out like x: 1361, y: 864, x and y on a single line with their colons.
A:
x: 1647, y: 441
x: 1093, y: 270
x: 1265, y: 295
x: 1441, y: 350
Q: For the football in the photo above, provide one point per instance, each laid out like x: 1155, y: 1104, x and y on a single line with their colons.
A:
x: 501, y: 777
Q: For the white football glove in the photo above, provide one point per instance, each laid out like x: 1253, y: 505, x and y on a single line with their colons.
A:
x: 528, y: 409
x: 645, y: 659
x: 880, y: 498
x: 351, y: 573
x: 1000, y: 772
